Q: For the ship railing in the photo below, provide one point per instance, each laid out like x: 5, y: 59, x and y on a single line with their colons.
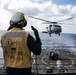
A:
x: 46, y: 68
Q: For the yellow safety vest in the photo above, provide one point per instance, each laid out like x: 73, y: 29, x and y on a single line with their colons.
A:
x: 15, y: 50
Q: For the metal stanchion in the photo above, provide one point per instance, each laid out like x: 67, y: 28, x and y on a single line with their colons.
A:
x: 36, y: 65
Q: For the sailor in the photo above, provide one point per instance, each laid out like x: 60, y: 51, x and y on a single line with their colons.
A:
x: 59, y: 63
x: 17, y: 46
x: 60, y: 66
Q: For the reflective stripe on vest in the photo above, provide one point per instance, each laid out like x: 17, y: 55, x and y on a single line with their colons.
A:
x: 14, y: 34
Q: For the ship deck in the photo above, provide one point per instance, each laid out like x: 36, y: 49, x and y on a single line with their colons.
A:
x: 41, y: 62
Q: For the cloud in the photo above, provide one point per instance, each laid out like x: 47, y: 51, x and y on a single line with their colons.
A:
x: 38, y: 8
x: 4, y: 18
x: 73, y: 10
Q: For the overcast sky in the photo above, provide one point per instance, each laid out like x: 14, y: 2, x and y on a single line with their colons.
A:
x: 51, y: 10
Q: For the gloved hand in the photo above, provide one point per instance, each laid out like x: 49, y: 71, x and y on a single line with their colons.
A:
x: 35, y: 31
x: 36, y: 35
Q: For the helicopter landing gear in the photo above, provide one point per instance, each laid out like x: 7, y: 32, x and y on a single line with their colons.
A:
x: 59, y: 34
x: 50, y: 35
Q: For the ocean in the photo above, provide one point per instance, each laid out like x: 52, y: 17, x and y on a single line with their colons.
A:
x: 63, y: 42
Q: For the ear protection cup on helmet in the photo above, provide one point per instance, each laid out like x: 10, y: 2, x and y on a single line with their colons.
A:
x: 25, y: 22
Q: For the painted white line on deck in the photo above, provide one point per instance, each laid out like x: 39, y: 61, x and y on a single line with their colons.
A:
x: 43, y: 60
x: 72, y: 62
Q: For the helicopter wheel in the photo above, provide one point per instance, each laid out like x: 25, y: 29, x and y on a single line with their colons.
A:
x: 59, y: 34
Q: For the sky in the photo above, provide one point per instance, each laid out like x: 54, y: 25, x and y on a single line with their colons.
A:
x: 51, y: 10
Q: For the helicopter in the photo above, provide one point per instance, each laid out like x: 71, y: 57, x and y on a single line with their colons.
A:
x: 53, y: 28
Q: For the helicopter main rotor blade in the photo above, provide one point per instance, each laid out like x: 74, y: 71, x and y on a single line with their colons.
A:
x: 67, y: 19
x: 49, y: 22
x: 40, y: 19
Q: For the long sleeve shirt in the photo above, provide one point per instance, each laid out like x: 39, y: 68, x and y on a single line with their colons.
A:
x: 34, y: 45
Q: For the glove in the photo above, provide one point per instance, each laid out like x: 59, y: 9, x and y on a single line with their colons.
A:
x: 35, y: 31
x: 36, y: 35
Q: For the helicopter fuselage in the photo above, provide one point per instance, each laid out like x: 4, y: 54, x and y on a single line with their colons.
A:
x: 56, y: 29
